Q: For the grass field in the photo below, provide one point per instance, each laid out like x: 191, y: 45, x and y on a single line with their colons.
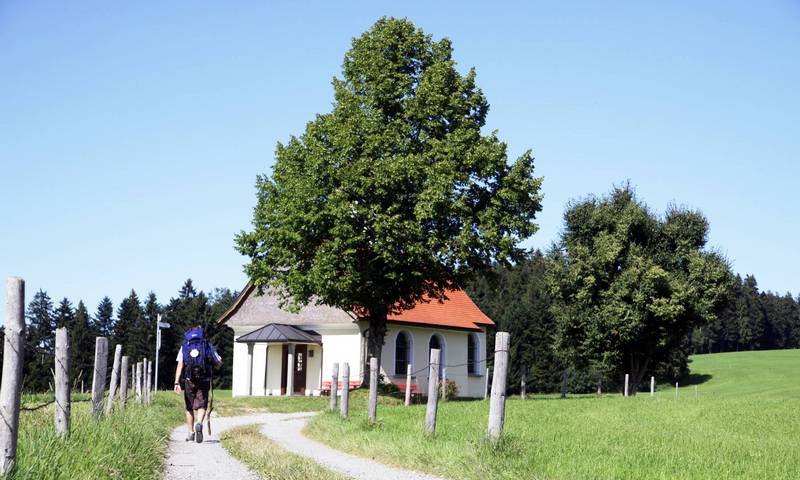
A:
x: 128, y: 444
x: 743, y: 423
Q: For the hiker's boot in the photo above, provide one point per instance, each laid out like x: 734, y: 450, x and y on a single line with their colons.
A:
x: 190, y: 437
x: 198, y: 432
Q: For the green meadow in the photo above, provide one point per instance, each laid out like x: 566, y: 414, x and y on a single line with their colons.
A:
x: 740, y: 419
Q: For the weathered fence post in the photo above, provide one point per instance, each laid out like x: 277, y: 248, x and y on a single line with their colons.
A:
x: 345, y: 403
x: 652, y: 386
x: 99, y: 377
x: 627, y: 377
x: 148, y: 381
x: 112, y: 388
x: 676, y: 390
x: 334, y: 385
x: 564, y: 384
x: 145, y: 380
x: 408, y: 385
x: 523, y: 373
x: 123, y: 387
x: 599, y: 383
x: 443, y: 385
x: 290, y: 374
x: 132, y: 385
x: 13, y: 359
x: 138, y: 383
x: 486, y: 384
x: 63, y: 394
x: 373, y: 390
x: 433, y: 392
x: 497, y: 404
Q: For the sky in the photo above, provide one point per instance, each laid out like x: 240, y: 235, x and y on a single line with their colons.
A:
x: 131, y: 133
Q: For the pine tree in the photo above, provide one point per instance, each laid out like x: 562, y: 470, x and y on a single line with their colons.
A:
x: 82, y: 336
x: 65, y: 314
x: 104, y: 318
x: 40, y: 343
x: 129, y: 316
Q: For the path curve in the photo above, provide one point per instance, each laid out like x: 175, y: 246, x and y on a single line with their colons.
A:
x: 287, y: 431
x: 189, y: 460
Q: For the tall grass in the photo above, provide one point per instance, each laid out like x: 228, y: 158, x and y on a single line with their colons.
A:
x: 130, y: 443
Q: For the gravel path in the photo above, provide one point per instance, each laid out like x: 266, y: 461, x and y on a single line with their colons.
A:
x: 189, y: 460
x: 286, y: 431
x: 207, y: 460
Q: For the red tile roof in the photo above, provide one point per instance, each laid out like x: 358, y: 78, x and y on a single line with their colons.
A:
x: 457, y: 311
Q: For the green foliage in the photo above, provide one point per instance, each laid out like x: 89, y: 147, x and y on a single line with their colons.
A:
x: 82, y: 338
x: 628, y: 286
x: 39, y: 343
x: 517, y: 299
x: 395, y: 194
x: 104, y: 318
x: 751, y: 320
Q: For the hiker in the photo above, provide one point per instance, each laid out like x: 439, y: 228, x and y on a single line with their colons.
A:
x: 196, y: 360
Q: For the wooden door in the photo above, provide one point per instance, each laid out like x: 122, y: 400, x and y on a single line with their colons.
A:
x: 300, y: 367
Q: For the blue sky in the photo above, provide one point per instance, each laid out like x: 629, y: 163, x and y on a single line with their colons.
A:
x: 131, y: 134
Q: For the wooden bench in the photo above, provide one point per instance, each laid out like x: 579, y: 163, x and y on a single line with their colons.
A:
x: 326, y: 386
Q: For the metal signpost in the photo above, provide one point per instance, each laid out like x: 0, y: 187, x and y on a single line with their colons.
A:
x: 159, y: 326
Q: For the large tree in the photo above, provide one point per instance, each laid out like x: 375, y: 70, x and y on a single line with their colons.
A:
x: 82, y: 337
x: 395, y: 195
x: 39, y: 342
x: 628, y: 285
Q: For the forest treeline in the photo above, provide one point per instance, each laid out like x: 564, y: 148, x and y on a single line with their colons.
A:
x: 517, y: 298
x: 131, y: 324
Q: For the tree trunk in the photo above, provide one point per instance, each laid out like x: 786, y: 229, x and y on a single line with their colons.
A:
x: 638, y: 370
x: 376, y: 334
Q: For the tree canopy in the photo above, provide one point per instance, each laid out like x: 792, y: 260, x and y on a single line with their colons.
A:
x: 395, y: 194
x: 629, y: 286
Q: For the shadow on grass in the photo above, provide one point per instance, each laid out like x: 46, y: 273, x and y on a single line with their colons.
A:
x: 697, y: 378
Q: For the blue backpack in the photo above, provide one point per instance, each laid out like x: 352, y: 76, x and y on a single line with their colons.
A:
x: 196, y: 356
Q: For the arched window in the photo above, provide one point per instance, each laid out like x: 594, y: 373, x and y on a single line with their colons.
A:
x: 473, y: 354
x: 403, y: 346
x: 437, y: 341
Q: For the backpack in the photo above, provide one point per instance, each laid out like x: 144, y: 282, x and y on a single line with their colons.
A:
x: 196, y: 356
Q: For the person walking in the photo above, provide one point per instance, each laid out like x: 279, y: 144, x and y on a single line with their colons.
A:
x: 196, y: 360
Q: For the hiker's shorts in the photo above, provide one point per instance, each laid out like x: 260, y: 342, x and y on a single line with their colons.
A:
x: 195, y: 396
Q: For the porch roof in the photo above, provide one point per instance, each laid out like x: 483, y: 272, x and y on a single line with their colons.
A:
x: 280, y: 333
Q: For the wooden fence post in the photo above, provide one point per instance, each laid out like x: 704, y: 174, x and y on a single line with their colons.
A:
x: 13, y: 359
x: 497, y: 404
x: 652, y: 386
x: 123, y: 387
x: 676, y: 390
x: 564, y: 384
x: 138, y: 384
x: 373, y: 390
x: 112, y: 388
x: 599, y: 383
x: 523, y: 374
x: 433, y: 392
x: 627, y: 377
x: 145, y: 378
x: 443, y: 386
x: 345, y: 403
x: 63, y: 395
x: 99, y: 377
x: 290, y: 373
x: 334, y: 385
x: 486, y: 384
x: 132, y: 385
x: 408, y: 385
x: 147, y: 383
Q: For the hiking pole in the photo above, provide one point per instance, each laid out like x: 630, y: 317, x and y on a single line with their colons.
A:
x: 210, y: 401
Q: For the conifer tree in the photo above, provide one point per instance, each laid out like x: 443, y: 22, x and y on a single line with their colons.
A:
x: 129, y: 315
x: 82, y: 336
x: 40, y: 343
x: 65, y: 314
x: 104, y: 318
